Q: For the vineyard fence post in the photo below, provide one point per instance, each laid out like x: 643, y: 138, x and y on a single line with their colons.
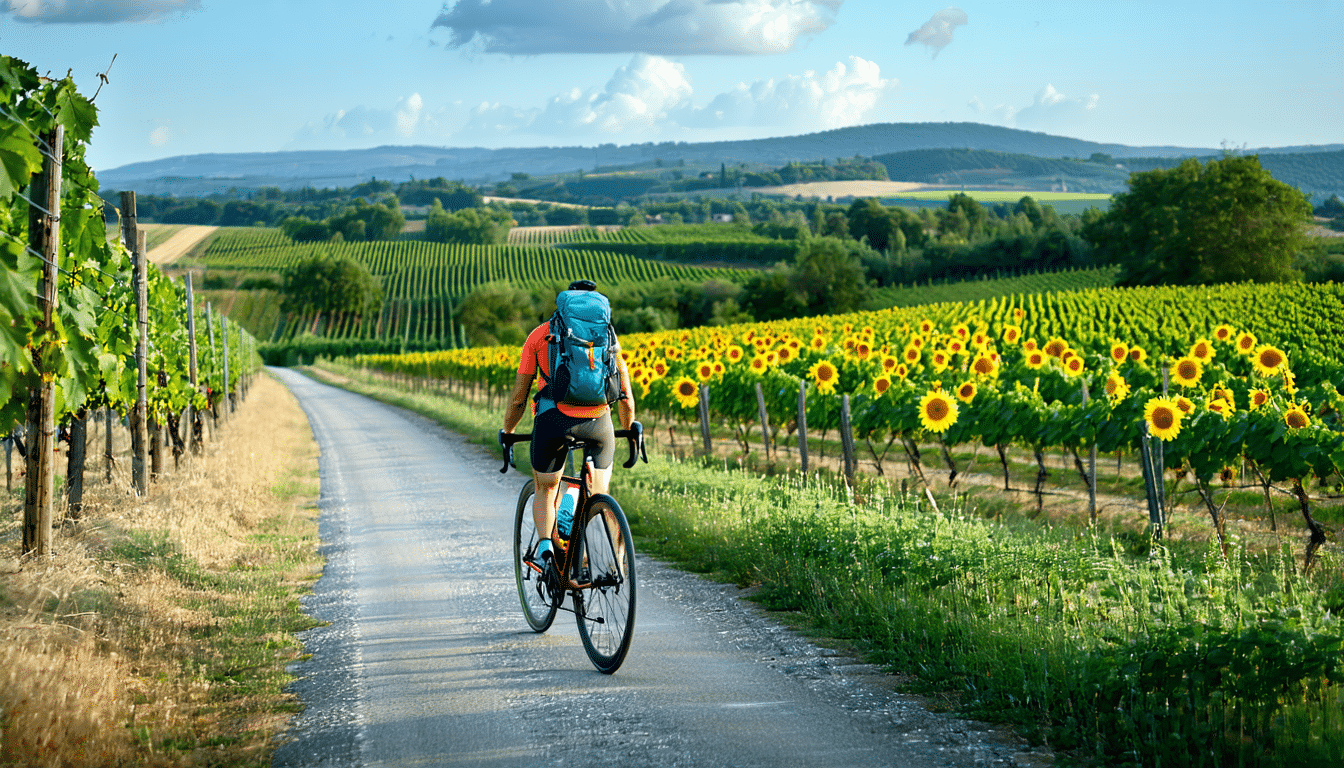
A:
x: 224, y: 332
x: 74, y: 472
x: 802, y: 425
x: 1159, y: 452
x: 704, y: 417
x: 765, y: 421
x: 130, y: 234
x: 9, y: 463
x: 1091, y: 472
x: 107, y: 445
x: 193, y: 433
x: 1149, y: 483
x: 847, y: 440
x: 44, y: 234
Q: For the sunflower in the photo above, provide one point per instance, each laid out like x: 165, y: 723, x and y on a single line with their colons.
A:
x: 917, y: 342
x: 817, y: 343
x: 910, y: 355
x: 926, y: 327
x: 881, y: 384
x: 718, y: 368
x: 1224, y: 333
x: 937, y: 412
x: 888, y: 363
x: 1185, y: 404
x: 1202, y: 350
x: 758, y: 364
x: 825, y: 376
x: 1258, y: 398
x: 1228, y: 475
x: 1137, y: 355
x: 980, y: 340
x: 1035, y: 359
x: 901, y: 371
x: 1296, y: 417
x: 704, y: 370
x: 1119, y: 352
x: 1116, y: 387
x: 966, y: 392
x: 784, y: 354
x: 984, y: 365
x: 862, y: 350
x: 734, y: 354
x: 1220, y: 407
x: 961, y: 331
x: 955, y: 345
x: 660, y: 368
x: 1011, y: 334
x: 672, y: 353
x: 687, y: 392
x: 1055, y: 347
x: 1163, y: 418
x: 1267, y: 360
x: 1246, y: 343
x: 1187, y: 371
x: 1074, y: 366
x: 1029, y: 345
x: 940, y: 360
x: 1223, y: 393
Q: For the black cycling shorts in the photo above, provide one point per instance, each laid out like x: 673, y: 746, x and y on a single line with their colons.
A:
x: 550, y: 428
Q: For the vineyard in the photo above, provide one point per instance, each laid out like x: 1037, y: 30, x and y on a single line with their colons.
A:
x: 421, y: 281
x: 82, y: 330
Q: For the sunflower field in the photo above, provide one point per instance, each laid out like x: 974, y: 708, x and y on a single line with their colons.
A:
x: 1226, y: 378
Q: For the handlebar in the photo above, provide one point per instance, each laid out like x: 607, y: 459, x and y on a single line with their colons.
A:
x: 635, y: 436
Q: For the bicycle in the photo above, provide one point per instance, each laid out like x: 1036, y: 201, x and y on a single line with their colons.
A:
x: 596, y: 570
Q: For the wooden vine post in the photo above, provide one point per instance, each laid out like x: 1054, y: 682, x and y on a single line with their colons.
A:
x: 193, y: 429
x: 847, y: 440
x: 802, y: 425
x: 44, y: 234
x: 765, y: 422
x: 704, y: 417
x: 1091, y: 472
x: 224, y: 331
x: 130, y: 234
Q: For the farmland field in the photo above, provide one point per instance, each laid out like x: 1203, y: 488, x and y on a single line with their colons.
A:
x: 421, y: 281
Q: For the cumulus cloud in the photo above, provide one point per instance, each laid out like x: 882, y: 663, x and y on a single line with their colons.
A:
x: 650, y: 98
x: 364, y: 126
x: 837, y: 98
x: 937, y: 31
x: 1050, y: 110
x: 161, y: 134
x: 668, y: 27
x: 94, y: 11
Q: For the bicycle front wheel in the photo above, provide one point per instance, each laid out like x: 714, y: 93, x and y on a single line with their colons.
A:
x: 536, y: 595
x: 605, y: 560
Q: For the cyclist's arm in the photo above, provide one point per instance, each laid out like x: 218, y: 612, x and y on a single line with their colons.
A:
x: 625, y: 407
x: 513, y: 412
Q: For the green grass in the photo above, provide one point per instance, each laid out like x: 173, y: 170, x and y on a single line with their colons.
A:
x: 1171, y: 655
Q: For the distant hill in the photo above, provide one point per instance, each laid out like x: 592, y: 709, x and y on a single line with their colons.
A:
x: 202, y: 174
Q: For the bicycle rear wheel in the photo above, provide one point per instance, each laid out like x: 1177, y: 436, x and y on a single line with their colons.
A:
x: 537, y: 597
x: 606, y: 558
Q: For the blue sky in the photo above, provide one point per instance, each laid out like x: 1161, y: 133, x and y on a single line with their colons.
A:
x: 194, y: 76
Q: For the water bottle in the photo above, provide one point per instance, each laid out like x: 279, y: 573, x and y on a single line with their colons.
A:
x: 564, y: 515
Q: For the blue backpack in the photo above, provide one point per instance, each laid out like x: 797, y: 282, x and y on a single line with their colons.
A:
x: 583, y: 351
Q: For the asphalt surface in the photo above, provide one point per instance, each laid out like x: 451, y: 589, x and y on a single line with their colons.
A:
x: 427, y: 660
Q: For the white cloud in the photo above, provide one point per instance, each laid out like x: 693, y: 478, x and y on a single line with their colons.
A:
x: 160, y: 135
x: 1049, y: 111
x: 364, y: 126
x: 837, y: 98
x: 668, y: 27
x: 638, y: 97
x: 937, y: 31
x: 94, y: 11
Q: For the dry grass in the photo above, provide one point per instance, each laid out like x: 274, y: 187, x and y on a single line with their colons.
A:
x: 158, y: 632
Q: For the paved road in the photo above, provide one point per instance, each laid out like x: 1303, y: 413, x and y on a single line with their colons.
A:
x: 427, y: 659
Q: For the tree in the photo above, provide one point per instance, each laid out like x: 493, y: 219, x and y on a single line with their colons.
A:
x: 331, y: 285
x: 1225, y: 221
x: 496, y: 313
x: 485, y: 226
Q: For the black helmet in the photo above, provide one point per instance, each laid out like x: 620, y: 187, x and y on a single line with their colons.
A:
x: 583, y: 285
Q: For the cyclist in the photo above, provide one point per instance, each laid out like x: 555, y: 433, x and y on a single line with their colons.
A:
x: 553, y: 421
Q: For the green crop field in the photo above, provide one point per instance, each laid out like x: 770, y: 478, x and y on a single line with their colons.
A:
x: 937, y: 292
x: 421, y: 281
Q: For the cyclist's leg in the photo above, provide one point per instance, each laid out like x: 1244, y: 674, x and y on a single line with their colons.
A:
x: 601, y: 448
x: 548, y: 459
